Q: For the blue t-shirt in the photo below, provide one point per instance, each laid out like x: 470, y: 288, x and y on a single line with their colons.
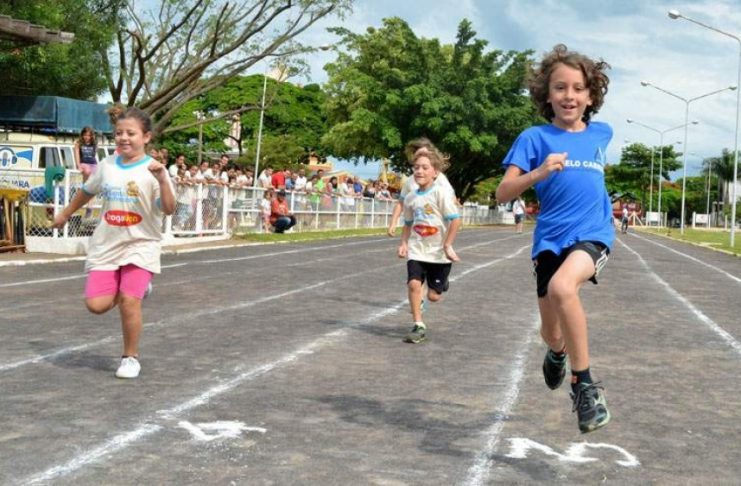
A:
x: 574, y: 204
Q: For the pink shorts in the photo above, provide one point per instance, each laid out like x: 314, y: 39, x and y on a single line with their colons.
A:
x: 88, y: 169
x: 129, y: 279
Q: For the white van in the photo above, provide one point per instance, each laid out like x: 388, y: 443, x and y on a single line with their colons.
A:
x: 24, y: 156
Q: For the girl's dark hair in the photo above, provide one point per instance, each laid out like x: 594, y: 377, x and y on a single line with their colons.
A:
x: 83, y: 132
x: 594, y: 76
x: 135, y: 113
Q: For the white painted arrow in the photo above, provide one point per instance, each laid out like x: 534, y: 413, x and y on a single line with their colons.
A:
x: 223, y: 429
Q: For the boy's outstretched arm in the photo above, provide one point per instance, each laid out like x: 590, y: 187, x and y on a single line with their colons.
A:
x: 450, y: 239
x: 516, y: 181
x: 398, y: 207
x: 403, y: 250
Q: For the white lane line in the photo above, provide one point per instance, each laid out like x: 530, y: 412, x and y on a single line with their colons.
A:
x: 690, y: 257
x: 43, y: 280
x: 111, y: 446
x: 125, y: 439
x: 478, y: 473
x: 725, y: 335
x: 205, y: 312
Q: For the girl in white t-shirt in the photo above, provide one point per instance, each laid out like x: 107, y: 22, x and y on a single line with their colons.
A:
x: 265, y: 206
x: 124, y: 250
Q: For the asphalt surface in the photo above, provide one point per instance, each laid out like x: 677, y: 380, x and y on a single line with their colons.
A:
x: 283, y: 364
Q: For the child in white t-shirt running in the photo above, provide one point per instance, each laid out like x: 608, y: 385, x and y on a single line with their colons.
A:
x: 431, y: 223
x: 124, y: 250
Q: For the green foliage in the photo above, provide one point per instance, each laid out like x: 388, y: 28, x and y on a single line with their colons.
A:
x: 633, y: 173
x: 293, y: 123
x: 391, y: 86
x: 72, y: 70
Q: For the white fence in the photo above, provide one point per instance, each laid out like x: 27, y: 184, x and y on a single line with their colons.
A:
x: 216, y: 212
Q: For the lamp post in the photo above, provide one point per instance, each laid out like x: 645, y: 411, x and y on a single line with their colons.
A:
x: 687, y: 102
x: 674, y: 14
x: 259, y: 130
x: 661, y: 156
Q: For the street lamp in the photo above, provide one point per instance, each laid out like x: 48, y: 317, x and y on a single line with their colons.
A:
x: 661, y: 157
x: 687, y: 102
x: 674, y: 14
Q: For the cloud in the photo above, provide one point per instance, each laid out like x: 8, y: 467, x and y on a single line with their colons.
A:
x: 637, y: 38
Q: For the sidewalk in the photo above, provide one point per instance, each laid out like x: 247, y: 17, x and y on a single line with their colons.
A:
x: 17, y: 258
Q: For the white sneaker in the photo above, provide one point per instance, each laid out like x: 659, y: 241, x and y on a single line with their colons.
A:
x: 148, y: 292
x: 129, y: 368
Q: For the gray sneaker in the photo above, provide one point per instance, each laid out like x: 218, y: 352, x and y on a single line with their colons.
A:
x: 416, y: 335
x: 590, y: 406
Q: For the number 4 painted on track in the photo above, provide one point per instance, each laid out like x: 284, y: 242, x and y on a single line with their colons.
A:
x: 519, y: 447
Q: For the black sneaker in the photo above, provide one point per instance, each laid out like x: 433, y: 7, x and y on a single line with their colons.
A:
x: 554, y: 369
x: 590, y: 406
x: 416, y: 335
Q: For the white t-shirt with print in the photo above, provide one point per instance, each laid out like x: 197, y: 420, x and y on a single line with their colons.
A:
x: 429, y: 212
x: 130, y: 229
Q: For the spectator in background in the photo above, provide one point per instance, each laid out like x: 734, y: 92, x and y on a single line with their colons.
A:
x: 357, y: 186
x: 280, y: 214
x: 384, y: 194
x: 265, y: 179
x: 179, y: 164
x: 290, y: 180
x: 518, y: 209
x: 278, y: 179
x: 250, y: 177
x: 85, y: 153
x: 370, y: 189
x: 265, y: 209
x: 299, y: 183
x: 164, y: 156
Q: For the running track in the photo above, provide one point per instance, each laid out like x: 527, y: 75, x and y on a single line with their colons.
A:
x: 283, y: 364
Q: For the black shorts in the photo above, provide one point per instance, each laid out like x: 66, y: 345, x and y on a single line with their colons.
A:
x: 436, y: 274
x: 519, y: 218
x: 547, y: 263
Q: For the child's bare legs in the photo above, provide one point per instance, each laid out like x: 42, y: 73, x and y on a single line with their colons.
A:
x: 415, y: 299
x: 131, y: 323
x: 433, y: 296
x: 130, y: 309
x: 550, y: 327
x: 102, y: 304
x: 563, y: 300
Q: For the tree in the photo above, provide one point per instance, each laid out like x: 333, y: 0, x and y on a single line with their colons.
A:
x: 72, y: 70
x: 186, y: 48
x: 293, y: 125
x: 633, y: 173
x: 722, y: 167
x: 392, y: 86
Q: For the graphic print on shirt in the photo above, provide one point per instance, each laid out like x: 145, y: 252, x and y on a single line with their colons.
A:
x: 117, y: 217
x: 598, y: 164
x: 421, y: 214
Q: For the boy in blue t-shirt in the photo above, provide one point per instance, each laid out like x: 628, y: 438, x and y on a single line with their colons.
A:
x: 565, y: 161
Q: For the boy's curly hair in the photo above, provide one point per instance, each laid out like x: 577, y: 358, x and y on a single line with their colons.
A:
x: 423, y: 146
x: 594, y: 76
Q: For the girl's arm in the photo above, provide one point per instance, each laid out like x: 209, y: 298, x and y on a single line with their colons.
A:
x: 516, y: 181
x: 80, y: 199
x: 167, y: 199
x: 78, y: 157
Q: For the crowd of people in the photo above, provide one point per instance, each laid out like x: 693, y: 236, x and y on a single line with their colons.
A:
x: 314, y: 192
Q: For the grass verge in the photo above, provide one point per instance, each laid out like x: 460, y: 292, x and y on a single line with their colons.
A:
x: 715, y: 239
x: 311, y: 235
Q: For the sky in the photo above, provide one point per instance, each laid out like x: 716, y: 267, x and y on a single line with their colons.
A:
x: 637, y: 38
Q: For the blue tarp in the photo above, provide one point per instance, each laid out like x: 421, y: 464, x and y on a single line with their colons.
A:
x: 54, y: 113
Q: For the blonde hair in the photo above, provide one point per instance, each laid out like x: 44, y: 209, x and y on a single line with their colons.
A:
x: 423, y: 146
x: 438, y: 161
